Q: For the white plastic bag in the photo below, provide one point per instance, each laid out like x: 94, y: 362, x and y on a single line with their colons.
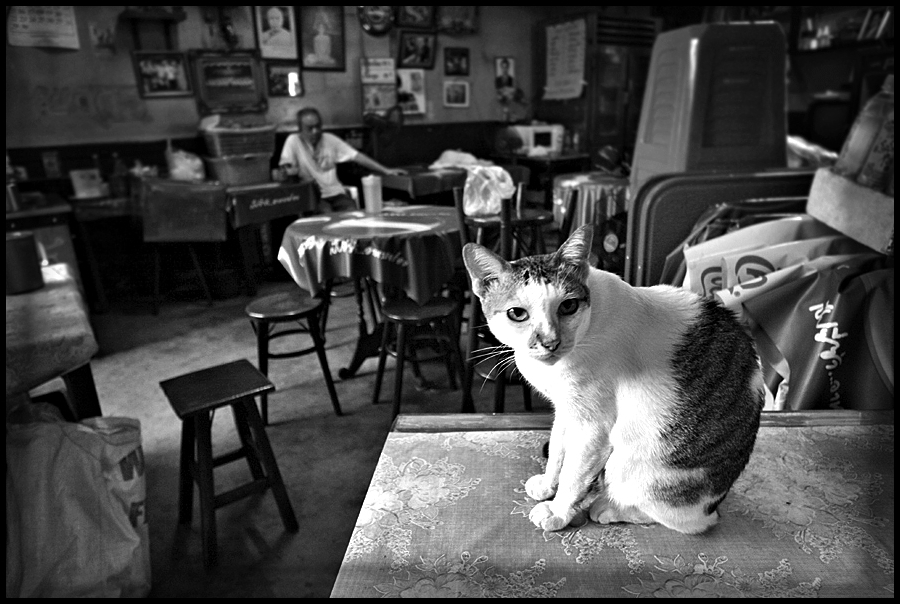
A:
x: 184, y: 165
x: 75, y: 509
x: 486, y: 186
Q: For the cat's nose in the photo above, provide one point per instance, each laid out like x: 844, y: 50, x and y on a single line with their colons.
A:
x: 550, y: 345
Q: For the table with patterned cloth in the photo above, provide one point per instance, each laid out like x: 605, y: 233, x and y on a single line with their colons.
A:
x: 420, y: 181
x: 413, y: 248
x: 446, y: 515
x: 49, y: 335
x: 599, y: 196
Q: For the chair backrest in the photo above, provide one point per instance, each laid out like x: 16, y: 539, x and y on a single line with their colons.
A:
x: 667, y: 206
x: 174, y: 210
x: 506, y: 228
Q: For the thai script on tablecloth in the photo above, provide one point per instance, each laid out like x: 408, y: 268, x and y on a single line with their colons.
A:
x: 352, y: 246
x: 829, y: 335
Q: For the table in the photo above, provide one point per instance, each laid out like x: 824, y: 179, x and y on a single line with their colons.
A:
x: 48, y: 335
x: 420, y: 181
x: 414, y: 248
x: 598, y: 195
x: 544, y: 168
x: 446, y: 514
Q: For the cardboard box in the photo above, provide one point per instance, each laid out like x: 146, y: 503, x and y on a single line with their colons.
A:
x: 261, y: 203
x: 861, y: 213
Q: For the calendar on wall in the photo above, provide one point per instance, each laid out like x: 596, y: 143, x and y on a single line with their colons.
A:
x: 47, y: 26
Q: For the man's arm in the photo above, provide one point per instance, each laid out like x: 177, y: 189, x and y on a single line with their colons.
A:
x: 367, y: 162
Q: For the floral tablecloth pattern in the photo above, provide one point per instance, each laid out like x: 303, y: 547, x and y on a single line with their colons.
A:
x: 446, y: 515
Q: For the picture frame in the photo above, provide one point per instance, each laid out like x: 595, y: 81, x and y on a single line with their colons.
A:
x: 276, y: 32
x: 161, y: 74
x: 283, y: 79
x: 411, y: 91
x: 457, y: 20
x: 504, y: 72
x: 416, y: 17
x: 228, y: 81
x: 416, y: 49
x: 456, y: 61
x: 322, y: 42
x: 456, y: 94
x: 379, y: 84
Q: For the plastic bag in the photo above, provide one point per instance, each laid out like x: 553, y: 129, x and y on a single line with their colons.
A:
x: 486, y: 187
x: 75, y: 509
x: 184, y: 165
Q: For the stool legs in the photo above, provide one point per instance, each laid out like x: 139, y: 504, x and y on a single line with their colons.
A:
x: 319, y: 341
x: 204, y: 478
x: 382, y: 357
x: 398, y: 381
x: 262, y: 355
x: 186, y: 475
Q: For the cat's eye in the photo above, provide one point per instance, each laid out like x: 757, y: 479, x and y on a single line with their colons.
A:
x: 568, y: 307
x: 517, y: 314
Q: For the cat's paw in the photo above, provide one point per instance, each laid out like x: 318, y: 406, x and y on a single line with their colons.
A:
x: 603, y: 511
x: 543, y: 517
x: 538, y: 487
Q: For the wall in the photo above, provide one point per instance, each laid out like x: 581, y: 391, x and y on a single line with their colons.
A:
x: 65, y: 97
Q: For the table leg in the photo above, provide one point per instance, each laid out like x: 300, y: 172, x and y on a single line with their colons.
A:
x: 83, y: 392
x: 368, y: 343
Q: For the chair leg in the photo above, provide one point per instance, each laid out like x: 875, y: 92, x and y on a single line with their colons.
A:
x: 261, y: 328
x: 382, y: 356
x: 398, y: 381
x: 449, y: 353
x: 197, y: 266
x: 186, y: 471
x: 319, y: 342
x: 247, y: 443
x: 206, y: 488
x: 526, y: 395
x: 267, y: 457
x: 499, y: 393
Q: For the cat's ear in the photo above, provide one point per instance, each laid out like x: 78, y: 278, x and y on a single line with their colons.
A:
x: 577, y: 247
x: 483, y: 265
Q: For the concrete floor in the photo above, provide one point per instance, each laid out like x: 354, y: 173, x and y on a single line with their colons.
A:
x: 326, y: 461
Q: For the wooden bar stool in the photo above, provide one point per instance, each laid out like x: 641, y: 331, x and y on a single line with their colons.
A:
x: 286, y: 307
x: 195, y: 397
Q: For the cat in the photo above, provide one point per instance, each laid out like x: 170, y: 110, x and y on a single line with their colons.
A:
x: 657, y: 392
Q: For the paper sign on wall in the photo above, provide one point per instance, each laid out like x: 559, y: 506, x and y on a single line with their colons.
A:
x: 566, y: 44
x: 51, y: 26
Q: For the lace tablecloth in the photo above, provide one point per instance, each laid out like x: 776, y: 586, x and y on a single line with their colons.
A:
x: 446, y: 515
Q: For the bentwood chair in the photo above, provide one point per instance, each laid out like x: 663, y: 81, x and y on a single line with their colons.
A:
x: 483, y: 351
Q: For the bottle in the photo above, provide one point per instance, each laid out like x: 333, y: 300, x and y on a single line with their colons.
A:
x: 875, y: 120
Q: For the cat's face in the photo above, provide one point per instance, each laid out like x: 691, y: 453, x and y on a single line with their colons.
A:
x: 539, y: 305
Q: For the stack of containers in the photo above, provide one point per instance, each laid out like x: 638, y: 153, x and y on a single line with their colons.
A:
x: 239, y: 155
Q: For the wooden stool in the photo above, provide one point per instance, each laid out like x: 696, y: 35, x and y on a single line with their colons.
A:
x: 194, y: 397
x: 293, y: 306
x: 405, y: 314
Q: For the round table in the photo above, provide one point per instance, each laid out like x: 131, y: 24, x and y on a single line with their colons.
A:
x: 599, y: 196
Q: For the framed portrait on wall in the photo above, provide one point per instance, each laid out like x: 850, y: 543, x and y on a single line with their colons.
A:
x: 456, y: 93
x: 457, y: 19
x: 283, y: 79
x: 417, y: 49
x: 416, y: 17
x: 228, y: 82
x: 411, y: 91
x: 504, y: 73
x: 161, y: 74
x: 276, y: 32
x: 456, y: 61
x: 322, y: 38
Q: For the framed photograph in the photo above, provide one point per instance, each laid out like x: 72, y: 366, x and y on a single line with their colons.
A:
x: 411, y: 91
x: 161, y: 74
x: 283, y: 79
x: 456, y: 61
x: 378, y: 98
x: 322, y: 38
x: 504, y: 73
x: 228, y: 82
x: 417, y: 49
x: 416, y: 17
x: 276, y: 32
x: 457, y: 19
x: 456, y: 93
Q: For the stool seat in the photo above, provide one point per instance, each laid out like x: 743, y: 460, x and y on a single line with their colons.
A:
x: 208, y: 389
x: 310, y: 314
x: 406, y: 310
x: 194, y: 397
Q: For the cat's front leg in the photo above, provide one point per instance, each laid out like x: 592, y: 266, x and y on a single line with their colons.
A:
x: 541, y: 487
x: 586, y: 454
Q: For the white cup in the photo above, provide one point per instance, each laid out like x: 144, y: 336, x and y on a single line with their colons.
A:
x: 371, y: 186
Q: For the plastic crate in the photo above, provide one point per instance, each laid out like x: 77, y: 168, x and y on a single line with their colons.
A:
x: 240, y: 141
x: 248, y: 169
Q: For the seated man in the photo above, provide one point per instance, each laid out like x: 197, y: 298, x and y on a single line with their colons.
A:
x: 314, y: 155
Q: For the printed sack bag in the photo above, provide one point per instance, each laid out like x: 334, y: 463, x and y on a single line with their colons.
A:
x: 75, y: 509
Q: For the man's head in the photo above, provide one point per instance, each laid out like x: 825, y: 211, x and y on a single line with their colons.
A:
x: 310, y: 124
x: 275, y: 18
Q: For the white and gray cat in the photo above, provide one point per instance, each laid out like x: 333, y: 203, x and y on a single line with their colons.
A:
x: 657, y: 392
